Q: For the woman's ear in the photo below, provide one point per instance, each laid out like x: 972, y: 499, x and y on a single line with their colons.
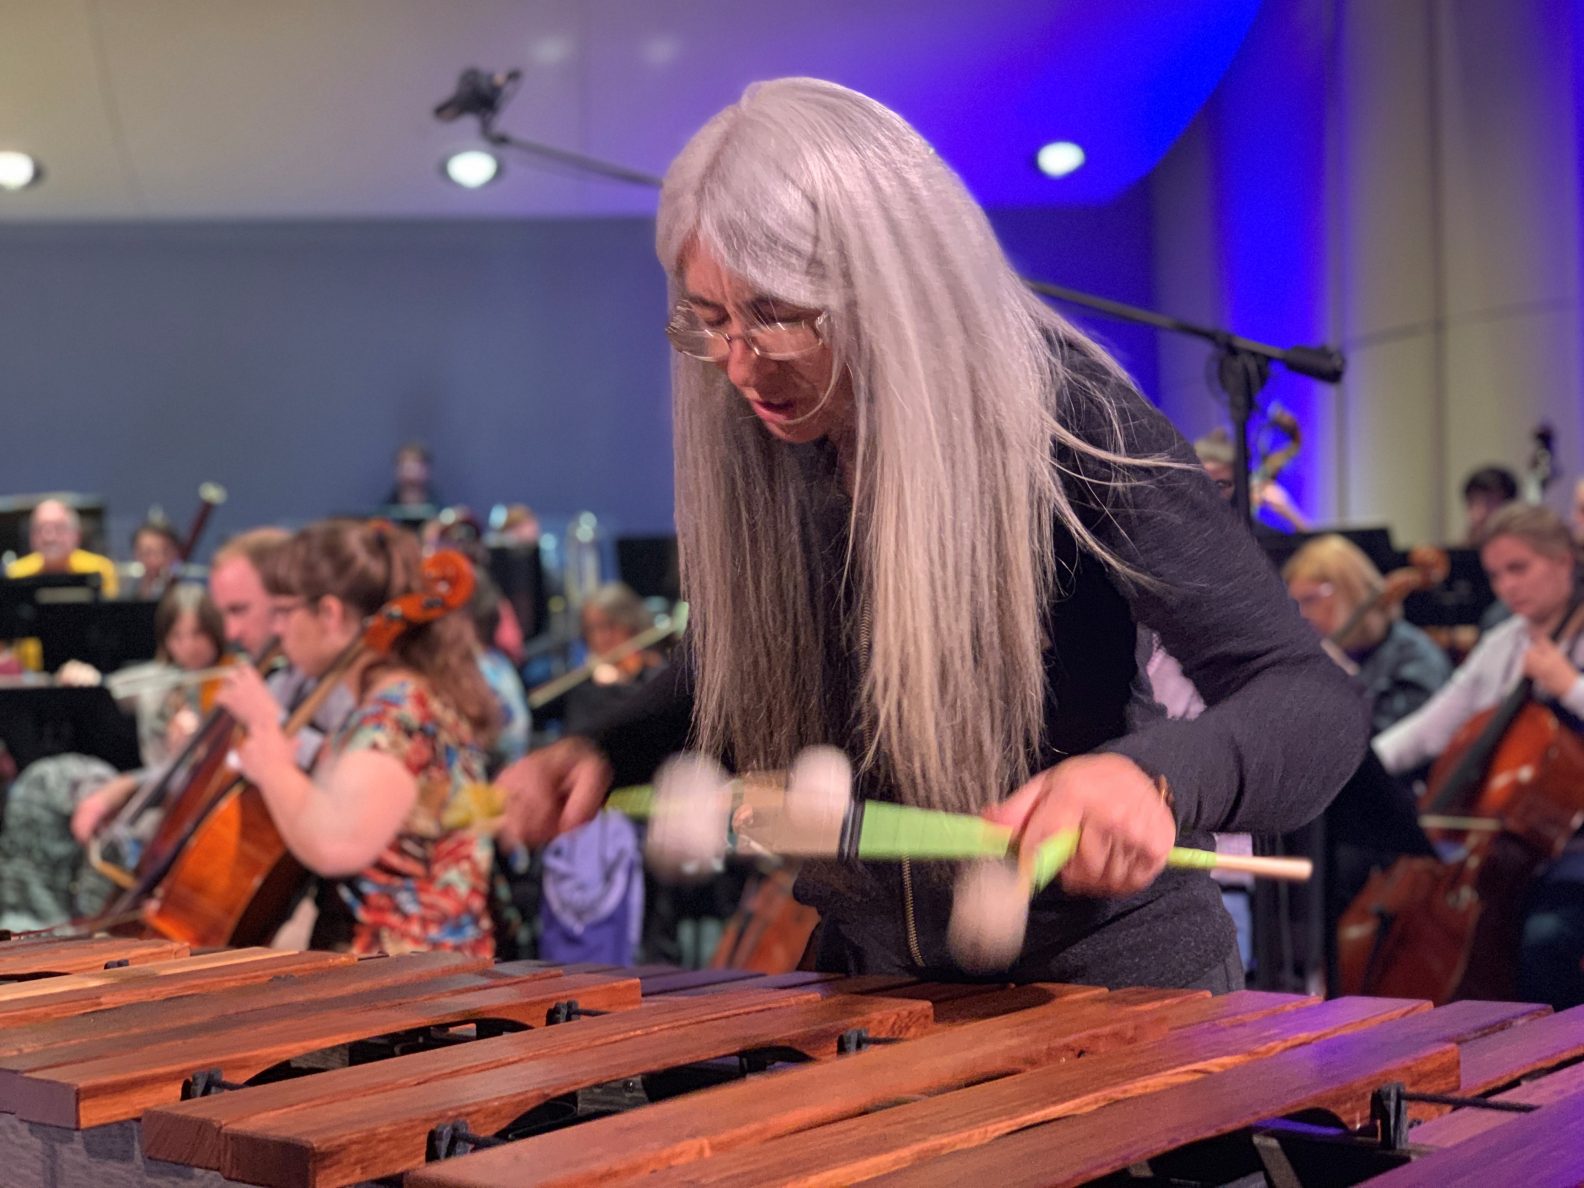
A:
x: 336, y: 616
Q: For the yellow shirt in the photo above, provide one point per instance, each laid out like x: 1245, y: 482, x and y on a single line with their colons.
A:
x: 80, y: 561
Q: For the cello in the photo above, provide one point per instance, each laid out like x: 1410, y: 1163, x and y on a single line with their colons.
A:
x: 217, y: 872
x: 1442, y: 929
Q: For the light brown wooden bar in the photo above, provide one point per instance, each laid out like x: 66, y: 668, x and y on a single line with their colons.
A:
x: 36, y: 958
x: 1337, y: 1074
x: 736, y: 1116
x: 859, y: 1148
x: 383, y: 1134
x: 75, y: 994
x: 95, y: 1089
x: 191, y: 1131
x: 1505, y: 1056
x: 371, y: 978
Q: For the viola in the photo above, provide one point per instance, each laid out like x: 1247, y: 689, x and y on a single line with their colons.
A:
x: 1435, y: 929
x: 218, y: 871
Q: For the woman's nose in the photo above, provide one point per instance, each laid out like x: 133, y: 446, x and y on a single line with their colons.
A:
x: 744, y: 368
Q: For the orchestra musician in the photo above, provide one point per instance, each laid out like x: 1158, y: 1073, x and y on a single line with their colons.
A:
x: 55, y: 535
x: 922, y: 518
x: 54, y: 804
x: 1398, y: 666
x: 1484, y: 491
x: 1533, y: 568
x: 157, y: 551
x: 236, y: 588
x: 1272, y: 503
x: 367, y: 818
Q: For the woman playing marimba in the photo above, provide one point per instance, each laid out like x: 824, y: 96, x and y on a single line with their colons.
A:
x: 922, y: 518
x: 368, y: 818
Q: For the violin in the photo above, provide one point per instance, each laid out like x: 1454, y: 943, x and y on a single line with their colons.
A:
x: 1428, y: 928
x: 1427, y: 568
x: 217, y: 871
x: 623, y: 653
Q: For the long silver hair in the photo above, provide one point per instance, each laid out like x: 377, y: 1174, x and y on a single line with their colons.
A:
x: 822, y: 198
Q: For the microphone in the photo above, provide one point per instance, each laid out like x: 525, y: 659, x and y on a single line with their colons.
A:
x: 1321, y: 362
x: 477, y: 93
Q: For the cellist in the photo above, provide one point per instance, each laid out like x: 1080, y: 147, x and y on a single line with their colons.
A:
x: 1533, y: 567
x: 368, y: 817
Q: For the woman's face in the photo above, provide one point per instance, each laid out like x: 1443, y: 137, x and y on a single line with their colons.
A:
x: 1319, y: 603
x: 1534, y: 585
x: 312, y: 632
x: 795, y: 399
x: 187, y: 645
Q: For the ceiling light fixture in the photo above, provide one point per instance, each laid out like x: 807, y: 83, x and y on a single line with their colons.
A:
x: 1059, y: 158
x: 472, y: 168
x: 18, y: 171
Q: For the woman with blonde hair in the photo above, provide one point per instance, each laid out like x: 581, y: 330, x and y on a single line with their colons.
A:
x: 1398, y: 666
x: 1534, y: 569
x: 921, y: 518
x: 368, y: 819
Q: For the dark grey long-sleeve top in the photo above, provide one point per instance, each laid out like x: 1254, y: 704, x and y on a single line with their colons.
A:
x: 1282, y: 730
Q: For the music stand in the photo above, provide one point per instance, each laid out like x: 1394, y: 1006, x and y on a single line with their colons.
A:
x: 22, y: 598
x: 649, y: 565
x: 1462, y: 599
x: 108, y: 635
x: 54, y: 720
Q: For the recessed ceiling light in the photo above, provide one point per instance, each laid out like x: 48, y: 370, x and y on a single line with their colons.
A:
x: 1059, y: 158
x: 18, y: 171
x: 472, y: 168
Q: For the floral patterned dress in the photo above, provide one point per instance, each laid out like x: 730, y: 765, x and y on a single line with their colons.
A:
x: 429, y: 888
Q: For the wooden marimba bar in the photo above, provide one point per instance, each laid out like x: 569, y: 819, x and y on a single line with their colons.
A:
x: 276, y: 1068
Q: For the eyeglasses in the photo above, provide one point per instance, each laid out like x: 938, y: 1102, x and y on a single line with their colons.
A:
x: 280, y: 608
x: 768, y: 340
x: 1310, y: 599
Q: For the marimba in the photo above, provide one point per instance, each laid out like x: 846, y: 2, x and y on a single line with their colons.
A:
x: 137, y: 1062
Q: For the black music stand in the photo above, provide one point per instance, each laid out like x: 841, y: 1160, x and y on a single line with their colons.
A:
x: 108, y: 635
x: 22, y: 598
x: 52, y: 720
x: 649, y: 565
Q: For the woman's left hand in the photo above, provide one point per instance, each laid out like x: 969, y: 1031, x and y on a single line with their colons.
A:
x: 1547, y: 666
x: 264, y: 746
x: 1125, y: 827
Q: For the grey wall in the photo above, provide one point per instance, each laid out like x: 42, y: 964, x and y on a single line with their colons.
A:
x: 287, y: 361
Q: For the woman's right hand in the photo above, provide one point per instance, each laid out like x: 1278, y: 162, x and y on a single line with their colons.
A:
x: 552, y: 790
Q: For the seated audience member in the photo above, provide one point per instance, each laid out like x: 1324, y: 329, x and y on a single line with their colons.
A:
x: 369, y: 818
x: 1398, y: 665
x: 55, y: 535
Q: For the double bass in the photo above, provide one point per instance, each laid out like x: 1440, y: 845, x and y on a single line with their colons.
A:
x: 1444, y: 929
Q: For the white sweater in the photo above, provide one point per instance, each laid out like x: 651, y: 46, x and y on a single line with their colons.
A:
x: 1492, y: 670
